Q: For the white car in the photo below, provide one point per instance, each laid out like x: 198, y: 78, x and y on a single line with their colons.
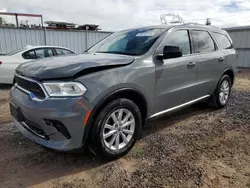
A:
x: 9, y: 62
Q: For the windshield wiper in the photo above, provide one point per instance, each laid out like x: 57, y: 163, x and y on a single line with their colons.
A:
x: 116, y: 52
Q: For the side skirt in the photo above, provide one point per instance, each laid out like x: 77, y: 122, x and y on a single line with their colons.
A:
x: 179, y: 106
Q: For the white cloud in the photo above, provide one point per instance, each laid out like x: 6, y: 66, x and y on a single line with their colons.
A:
x: 121, y: 14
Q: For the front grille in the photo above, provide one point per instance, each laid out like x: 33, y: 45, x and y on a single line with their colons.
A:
x: 30, y: 86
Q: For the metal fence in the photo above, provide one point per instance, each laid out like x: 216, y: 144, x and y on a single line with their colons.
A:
x: 15, y: 38
x: 241, y: 39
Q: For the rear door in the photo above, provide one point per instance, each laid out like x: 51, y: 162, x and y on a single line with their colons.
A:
x: 209, y: 60
x: 175, y: 78
x: 226, y: 46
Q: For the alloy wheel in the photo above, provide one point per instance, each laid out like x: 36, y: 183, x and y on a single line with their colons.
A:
x: 224, y: 92
x: 119, y: 129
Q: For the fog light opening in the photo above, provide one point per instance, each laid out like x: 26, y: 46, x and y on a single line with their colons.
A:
x: 59, y: 127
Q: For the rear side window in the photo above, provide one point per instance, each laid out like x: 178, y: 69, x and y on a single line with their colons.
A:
x: 29, y: 55
x: 61, y: 51
x: 223, y: 41
x: 202, y: 41
x: 48, y: 52
x: 179, y: 38
x: 40, y: 53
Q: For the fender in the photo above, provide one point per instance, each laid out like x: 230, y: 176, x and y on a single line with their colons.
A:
x: 102, y: 103
x: 231, y: 73
x: 226, y: 70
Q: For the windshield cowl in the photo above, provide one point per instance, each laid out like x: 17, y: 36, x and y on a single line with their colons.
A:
x: 116, y: 52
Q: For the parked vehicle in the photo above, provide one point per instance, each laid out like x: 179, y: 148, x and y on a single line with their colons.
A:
x: 10, y: 61
x: 102, y: 98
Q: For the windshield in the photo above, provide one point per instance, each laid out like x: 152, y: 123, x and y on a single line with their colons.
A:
x: 15, y: 52
x: 129, y: 42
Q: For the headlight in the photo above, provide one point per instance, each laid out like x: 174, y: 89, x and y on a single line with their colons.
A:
x: 64, y: 89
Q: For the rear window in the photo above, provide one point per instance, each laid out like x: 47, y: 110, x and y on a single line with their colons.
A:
x: 223, y: 41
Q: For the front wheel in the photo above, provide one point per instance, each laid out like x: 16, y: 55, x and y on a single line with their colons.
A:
x: 116, y: 129
x: 222, y: 92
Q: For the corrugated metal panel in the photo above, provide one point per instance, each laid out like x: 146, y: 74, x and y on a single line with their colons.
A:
x: 241, y: 39
x: 8, y: 41
x: 15, y: 38
x: 244, y: 58
x: 94, y: 37
x: 75, y: 40
x: 2, y: 42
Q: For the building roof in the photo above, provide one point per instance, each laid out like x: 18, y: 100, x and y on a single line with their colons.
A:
x: 238, y: 28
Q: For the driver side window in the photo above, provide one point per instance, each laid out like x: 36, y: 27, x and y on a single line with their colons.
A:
x: 179, y: 38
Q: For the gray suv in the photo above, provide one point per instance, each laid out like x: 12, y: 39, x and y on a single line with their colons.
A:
x: 103, y: 97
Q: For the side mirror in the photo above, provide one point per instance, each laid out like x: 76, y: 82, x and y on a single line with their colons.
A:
x: 170, y: 52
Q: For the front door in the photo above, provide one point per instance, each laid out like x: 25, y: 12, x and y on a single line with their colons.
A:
x: 175, y: 78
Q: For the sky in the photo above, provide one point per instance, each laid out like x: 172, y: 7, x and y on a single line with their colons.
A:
x: 113, y: 15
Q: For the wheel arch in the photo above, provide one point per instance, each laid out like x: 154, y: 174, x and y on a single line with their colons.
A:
x: 230, y: 73
x: 129, y: 93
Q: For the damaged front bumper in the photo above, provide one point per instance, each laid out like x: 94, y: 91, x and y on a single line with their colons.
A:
x: 57, y: 123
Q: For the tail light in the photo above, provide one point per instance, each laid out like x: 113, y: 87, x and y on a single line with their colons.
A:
x: 1, y: 62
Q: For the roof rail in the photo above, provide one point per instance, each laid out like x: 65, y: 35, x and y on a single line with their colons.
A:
x: 192, y: 24
x: 201, y: 25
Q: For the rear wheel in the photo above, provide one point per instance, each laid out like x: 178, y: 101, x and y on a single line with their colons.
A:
x: 116, y: 129
x: 222, y: 92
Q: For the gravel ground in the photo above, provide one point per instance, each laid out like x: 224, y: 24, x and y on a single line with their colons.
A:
x: 196, y: 147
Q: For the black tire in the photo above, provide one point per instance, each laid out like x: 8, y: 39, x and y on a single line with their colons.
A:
x: 214, y: 100
x: 97, y: 145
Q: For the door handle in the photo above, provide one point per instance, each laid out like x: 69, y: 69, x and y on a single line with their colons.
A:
x: 191, y: 64
x: 221, y: 59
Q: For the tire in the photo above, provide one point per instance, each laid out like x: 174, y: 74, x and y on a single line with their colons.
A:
x: 102, y: 146
x: 215, y: 100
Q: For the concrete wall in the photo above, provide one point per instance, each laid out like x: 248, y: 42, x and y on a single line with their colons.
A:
x: 15, y: 38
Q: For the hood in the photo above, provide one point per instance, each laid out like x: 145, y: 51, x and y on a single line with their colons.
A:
x: 71, y: 66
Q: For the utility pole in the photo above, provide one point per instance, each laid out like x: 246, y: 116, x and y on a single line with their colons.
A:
x: 17, y: 24
x: 44, y: 29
